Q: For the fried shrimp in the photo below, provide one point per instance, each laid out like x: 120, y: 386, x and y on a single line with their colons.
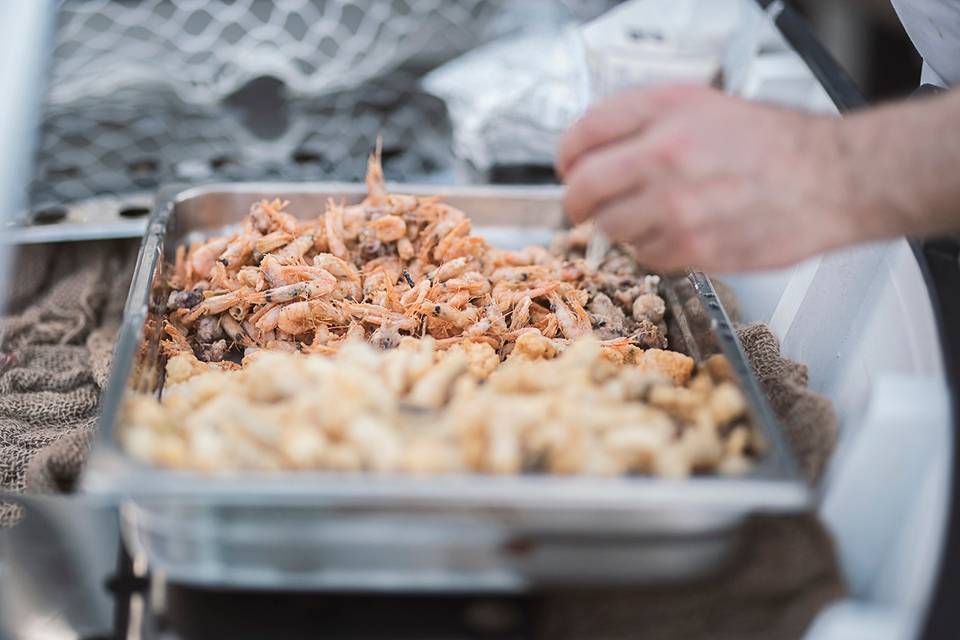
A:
x: 398, y: 265
x: 387, y: 336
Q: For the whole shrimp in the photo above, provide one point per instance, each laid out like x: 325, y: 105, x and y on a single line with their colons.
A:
x: 298, y: 318
x: 176, y: 342
x: 527, y: 273
x: 450, y: 269
x: 269, y: 320
x: 572, y: 319
x: 251, y: 277
x: 236, y: 332
x: 507, y: 297
x: 240, y: 249
x: 275, y: 216
x: 220, y: 279
x: 528, y: 256
x: 401, y: 204
x: 376, y: 191
x: 458, y: 318
x: 202, y: 258
x: 375, y: 314
x: 498, y: 324
x: 469, y: 246
x: 389, y: 228
x: 333, y: 223
x: 219, y: 303
x: 350, y: 285
x: 430, y: 236
x: 390, y: 265
x: 471, y: 282
x: 387, y: 336
x: 272, y: 241
x: 405, y: 249
x: 376, y: 288
x: 521, y: 314
x: 278, y: 274
x: 414, y: 297
x: 295, y: 249
x: 460, y: 230
x: 354, y: 221
x: 320, y: 286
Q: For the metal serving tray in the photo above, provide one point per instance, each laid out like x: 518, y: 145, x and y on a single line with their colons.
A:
x: 316, y: 530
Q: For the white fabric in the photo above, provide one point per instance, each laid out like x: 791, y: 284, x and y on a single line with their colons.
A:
x: 929, y: 76
x: 934, y: 28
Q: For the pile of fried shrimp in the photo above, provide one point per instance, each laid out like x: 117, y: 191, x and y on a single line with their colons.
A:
x: 415, y: 409
x: 394, y: 266
x: 386, y: 337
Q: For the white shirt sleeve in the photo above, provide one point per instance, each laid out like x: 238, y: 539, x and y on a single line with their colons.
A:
x: 934, y: 28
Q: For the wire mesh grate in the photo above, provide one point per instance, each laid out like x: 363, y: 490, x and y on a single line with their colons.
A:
x: 148, y: 92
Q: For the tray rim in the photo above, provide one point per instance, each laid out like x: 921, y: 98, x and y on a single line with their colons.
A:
x: 110, y: 472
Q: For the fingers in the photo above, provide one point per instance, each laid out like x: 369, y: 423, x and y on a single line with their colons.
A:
x: 660, y: 254
x: 604, y: 175
x: 638, y: 221
x: 608, y: 121
x: 630, y: 219
x: 662, y: 235
x: 619, y: 116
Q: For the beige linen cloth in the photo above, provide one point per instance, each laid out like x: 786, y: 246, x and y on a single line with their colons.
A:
x: 55, y: 350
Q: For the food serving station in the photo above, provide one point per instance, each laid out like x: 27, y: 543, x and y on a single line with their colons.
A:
x: 143, y: 551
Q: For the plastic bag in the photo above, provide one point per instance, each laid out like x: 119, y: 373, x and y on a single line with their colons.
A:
x: 510, y: 101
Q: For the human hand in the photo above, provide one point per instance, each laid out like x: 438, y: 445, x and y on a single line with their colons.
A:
x: 695, y: 178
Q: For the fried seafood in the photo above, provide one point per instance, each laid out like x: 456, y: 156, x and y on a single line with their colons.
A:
x: 394, y: 266
x: 385, y: 336
x: 552, y: 407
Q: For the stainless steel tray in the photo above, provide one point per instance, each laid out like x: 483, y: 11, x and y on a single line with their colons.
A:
x: 316, y: 530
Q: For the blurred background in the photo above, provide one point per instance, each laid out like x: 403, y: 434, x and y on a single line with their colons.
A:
x: 867, y: 39
x: 158, y: 91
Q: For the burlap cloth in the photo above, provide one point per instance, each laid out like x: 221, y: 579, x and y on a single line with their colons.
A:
x: 55, y: 348
x: 55, y: 351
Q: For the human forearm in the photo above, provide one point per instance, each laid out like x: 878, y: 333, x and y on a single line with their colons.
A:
x: 902, y: 163
x: 692, y: 177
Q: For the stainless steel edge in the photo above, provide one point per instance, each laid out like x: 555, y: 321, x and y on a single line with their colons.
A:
x: 318, y: 530
x: 120, y: 477
x: 777, y: 481
x: 66, y: 232
x: 779, y: 451
x: 134, y: 314
x: 97, y: 218
x: 425, y: 189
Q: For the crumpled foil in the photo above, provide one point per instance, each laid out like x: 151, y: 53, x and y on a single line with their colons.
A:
x: 510, y: 101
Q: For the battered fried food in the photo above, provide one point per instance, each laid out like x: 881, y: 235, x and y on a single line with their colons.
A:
x: 420, y: 409
x: 386, y: 337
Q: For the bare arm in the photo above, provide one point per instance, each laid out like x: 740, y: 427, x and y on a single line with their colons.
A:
x: 913, y: 151
x: 696, y: 178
